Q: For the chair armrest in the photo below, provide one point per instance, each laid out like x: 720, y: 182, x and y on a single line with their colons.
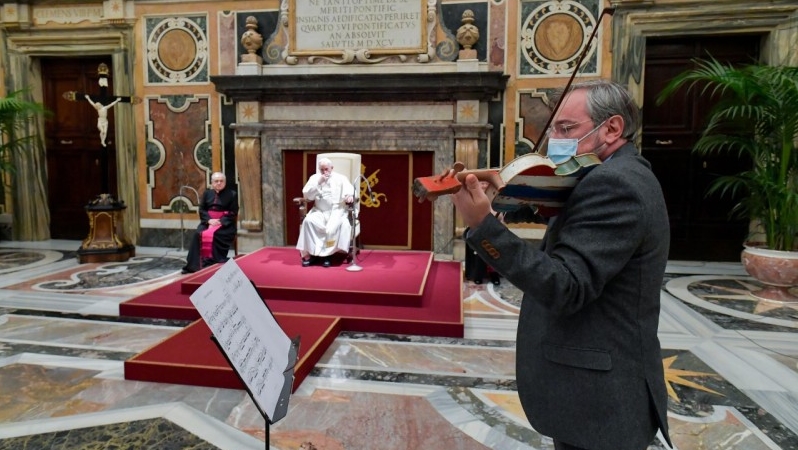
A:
x: 302, y: 206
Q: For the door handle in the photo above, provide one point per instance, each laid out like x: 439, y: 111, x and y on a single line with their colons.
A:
x: 659, y: 142
x: 65, y: 142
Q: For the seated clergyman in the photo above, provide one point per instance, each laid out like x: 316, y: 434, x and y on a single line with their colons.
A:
x: 218, y: 211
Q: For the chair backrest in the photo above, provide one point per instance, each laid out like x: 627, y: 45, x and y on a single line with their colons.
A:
x: 348, y: 165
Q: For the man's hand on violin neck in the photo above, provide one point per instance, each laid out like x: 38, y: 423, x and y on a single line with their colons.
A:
x: 471, y: 202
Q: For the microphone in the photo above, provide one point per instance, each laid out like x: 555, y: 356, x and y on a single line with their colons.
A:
x: 368, y: 186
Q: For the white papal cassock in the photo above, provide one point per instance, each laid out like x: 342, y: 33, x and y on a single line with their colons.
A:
x: 326, y: 227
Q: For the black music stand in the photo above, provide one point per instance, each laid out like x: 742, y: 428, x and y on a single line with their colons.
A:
x: 228, y: 301
x: 288, y: 382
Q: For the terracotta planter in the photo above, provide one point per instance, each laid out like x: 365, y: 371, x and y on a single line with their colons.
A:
x: 778, y: 270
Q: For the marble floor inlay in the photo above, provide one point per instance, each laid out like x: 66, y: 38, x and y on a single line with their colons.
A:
x: 731, y: 366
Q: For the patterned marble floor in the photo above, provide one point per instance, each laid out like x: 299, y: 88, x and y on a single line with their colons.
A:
x: 731, y: 366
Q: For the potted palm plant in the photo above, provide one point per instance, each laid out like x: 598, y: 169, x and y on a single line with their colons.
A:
x: 15, y: 115
x: 756, y: 117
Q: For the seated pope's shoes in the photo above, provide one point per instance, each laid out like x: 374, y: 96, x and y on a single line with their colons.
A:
x: 326, y: 262
x: 305, y: 262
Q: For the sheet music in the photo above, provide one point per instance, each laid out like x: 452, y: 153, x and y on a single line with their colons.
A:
x: 247, y: 331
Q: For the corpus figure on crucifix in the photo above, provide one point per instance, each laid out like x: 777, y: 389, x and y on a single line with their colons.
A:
x: 103, y: 103
x: 102, y: 116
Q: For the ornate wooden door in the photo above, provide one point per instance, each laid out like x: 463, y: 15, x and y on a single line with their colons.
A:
x: 79, y: 168
x: 700, y: 226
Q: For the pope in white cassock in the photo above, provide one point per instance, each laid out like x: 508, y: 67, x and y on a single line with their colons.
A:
x: 326, y: 228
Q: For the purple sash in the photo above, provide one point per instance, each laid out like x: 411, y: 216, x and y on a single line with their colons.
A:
x: 207, y: 236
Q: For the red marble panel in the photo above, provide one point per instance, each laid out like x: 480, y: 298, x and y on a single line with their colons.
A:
x: 181, y: 130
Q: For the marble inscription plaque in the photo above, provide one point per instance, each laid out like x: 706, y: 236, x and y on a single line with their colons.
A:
x: 324, y: 27
x: 66, y: 14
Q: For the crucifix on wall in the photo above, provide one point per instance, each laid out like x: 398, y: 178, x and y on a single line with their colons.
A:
x: 103, y: 102
x: 102, y: 115
x: 106, y: 241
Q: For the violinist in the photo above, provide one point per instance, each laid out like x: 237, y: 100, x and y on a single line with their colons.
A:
x: 588, y: 360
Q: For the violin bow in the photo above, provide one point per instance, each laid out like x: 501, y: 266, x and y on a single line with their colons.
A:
x: 607, y: 11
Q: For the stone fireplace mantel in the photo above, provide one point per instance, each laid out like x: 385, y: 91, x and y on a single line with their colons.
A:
x: 262, y: 141
x: 363, y: 87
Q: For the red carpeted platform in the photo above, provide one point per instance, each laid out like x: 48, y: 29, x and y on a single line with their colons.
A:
x: 396, y: 278
x: 190, y: 357
x: 436, y: 311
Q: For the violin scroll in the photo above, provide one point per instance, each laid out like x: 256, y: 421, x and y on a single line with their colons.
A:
x: 451, y: 180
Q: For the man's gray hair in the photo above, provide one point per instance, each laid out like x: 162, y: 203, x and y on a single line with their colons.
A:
x: 325, y: 162
x: 606, y: 99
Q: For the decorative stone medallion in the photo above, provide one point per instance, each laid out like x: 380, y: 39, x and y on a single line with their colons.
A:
x: 553, y: 35
x: 177, y: 49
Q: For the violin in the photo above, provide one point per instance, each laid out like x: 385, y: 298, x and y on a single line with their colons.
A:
x: 530, y: 180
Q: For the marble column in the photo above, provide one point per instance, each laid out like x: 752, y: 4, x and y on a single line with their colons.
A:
x: 126, y: 147
x: 30, y: 211
x: 248, y: 162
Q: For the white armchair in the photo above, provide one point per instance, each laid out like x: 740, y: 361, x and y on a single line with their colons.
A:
x: 348, y: 165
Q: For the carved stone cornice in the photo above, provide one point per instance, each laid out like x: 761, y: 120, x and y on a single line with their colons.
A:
x: 659, y: 4
x: 372, y: 87
x: 667, y: 13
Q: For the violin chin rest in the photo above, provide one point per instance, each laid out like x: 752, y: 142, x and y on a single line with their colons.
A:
x: 577, y: 165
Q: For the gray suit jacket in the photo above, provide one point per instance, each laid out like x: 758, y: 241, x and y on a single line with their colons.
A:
x: 589, y: 364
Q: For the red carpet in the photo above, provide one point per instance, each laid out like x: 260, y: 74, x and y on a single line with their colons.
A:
x: 428, y: 302
x: 206, y: 366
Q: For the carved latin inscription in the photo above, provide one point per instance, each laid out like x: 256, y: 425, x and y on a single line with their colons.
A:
x: 66, y: 14
x: 334, y: 27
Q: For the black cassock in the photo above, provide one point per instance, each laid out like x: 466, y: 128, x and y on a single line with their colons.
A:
x: 227, y: 201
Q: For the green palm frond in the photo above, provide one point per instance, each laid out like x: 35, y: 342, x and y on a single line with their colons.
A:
x: 756, y: 116
x: 15, y: 115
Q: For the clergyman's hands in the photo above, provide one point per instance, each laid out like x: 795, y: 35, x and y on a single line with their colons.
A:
x: 471, y: 202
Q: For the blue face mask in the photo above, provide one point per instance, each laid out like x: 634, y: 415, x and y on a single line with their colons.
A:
x: 561, y: 150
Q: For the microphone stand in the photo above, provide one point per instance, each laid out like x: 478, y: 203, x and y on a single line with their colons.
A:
x: 353, y: 267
